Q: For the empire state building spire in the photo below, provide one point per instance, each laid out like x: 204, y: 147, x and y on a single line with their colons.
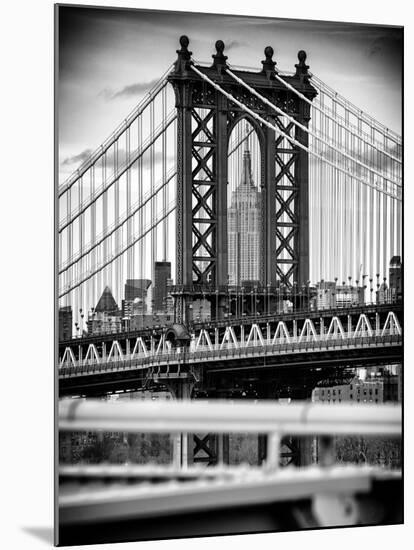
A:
x: 247, y: 178
x: 244, y: 226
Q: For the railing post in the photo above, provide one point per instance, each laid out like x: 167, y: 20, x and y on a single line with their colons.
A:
x: 326, y: 451
x: 180, y: 390
x: 273, y: 448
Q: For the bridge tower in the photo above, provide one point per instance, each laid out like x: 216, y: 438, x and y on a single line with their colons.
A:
x: 206, y: 118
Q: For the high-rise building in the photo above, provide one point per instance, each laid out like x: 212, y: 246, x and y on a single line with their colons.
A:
x: 169, y: 299
x: 106, y: 317
x: 326, y: 295
x: 106, y: 303
x: 395, y: 278
x: 348, y: 295
x: 103, y: 323
x: 383, y: 294
x: 65, y: 323
x: 135, y: 297
x: 136, y: 288
x: 162, y: 273
x: 244, y: 218
x: 355, y: 391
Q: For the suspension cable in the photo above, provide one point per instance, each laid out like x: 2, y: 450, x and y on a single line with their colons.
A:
x: 106, y: 185
x: 289, y: 138
x: 347, y: 105
x: 304, y: 98
x: 306, y: 129
x: 130, y: 212
x: 108, y: 261
x: 97, y: 154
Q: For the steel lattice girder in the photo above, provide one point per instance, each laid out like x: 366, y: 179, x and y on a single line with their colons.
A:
x: 287, y: 196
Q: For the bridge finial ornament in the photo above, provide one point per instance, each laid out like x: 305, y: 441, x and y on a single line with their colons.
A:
x: 184, y: 55
x: 301, y: 67
x: 219, y: 57
x: 268, y: 63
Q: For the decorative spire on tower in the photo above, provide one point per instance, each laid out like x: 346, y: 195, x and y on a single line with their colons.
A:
x: 220, y: 60
x: 184, y: 55
x: 301, y: 67
x: 268, y: 63
x: 247, y: 178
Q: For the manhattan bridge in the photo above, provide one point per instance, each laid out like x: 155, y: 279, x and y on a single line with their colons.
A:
x: 328, y: 187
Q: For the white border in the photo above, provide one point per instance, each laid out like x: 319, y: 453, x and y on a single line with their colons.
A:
x: 26, y: 224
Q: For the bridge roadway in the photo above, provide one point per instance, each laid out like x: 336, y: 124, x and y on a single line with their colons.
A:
x: 218, y: 367
x: 315, y: 315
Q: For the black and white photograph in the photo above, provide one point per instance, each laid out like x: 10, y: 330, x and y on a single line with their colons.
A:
x: 229, y: 274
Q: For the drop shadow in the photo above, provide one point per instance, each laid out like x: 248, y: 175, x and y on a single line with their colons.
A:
x: 45, y: 534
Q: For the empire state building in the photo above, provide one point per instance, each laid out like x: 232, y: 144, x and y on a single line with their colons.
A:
x: 244, y: 228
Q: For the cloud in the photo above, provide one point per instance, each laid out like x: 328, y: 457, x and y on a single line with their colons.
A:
x: 370, y: 160
x: 77, y: 159
x: 146, y: 159
x: 234, y: 44
x: 387, y: 44
x: 127, y: 91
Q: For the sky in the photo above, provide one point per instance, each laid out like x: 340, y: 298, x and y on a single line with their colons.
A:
x: 109, y: 58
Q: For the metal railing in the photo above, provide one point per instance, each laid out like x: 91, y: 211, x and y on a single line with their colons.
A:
x: 155, y: 489
x: 183, y: 356
x: 224, y: 417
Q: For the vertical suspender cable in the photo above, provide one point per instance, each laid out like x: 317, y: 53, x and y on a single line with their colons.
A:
x: 371, y: 216
x: 116, y: 218
x: 128, y: 203
x: 80, y: 237
x: 321, y: 207
x: 154, y: 229
x: 106, y: 272
x: 92, y: 256
x: 164, y: 174
x: 141, y: 212
x: 69, y: 240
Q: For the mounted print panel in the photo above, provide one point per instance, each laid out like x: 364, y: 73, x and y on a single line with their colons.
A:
x: 229, y: 275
